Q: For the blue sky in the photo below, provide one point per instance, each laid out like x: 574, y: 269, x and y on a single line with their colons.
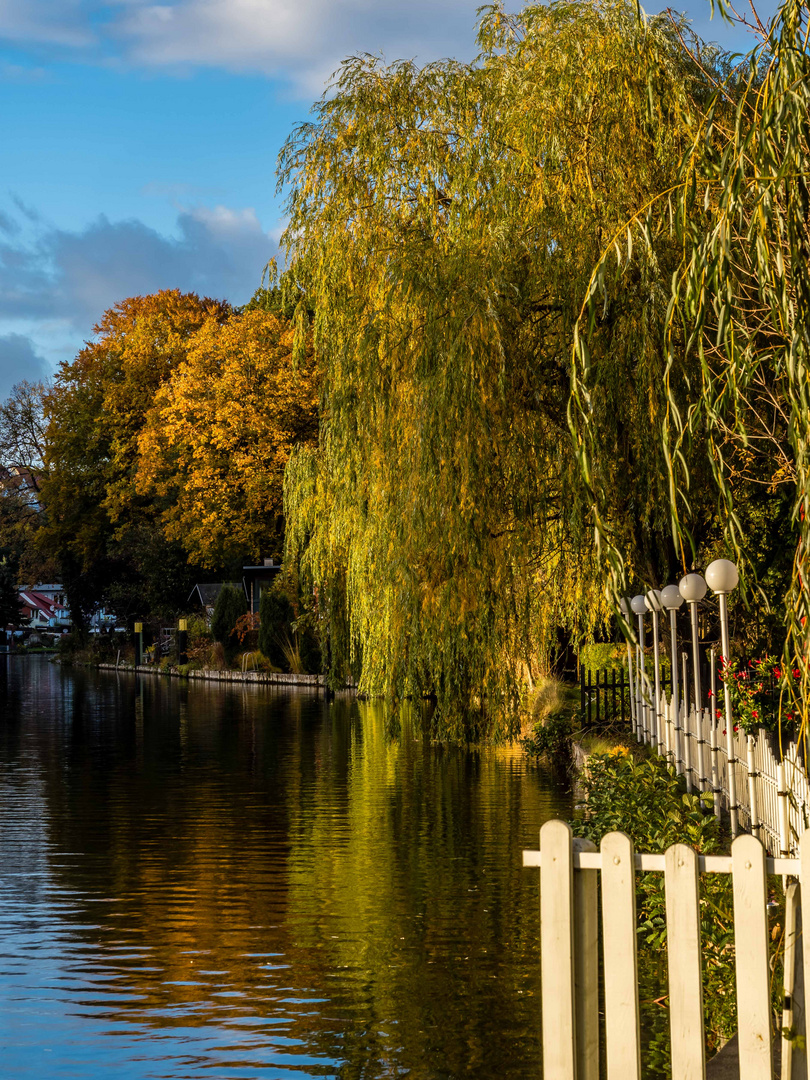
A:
x: 138, y: 143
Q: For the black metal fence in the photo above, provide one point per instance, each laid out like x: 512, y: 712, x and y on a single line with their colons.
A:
x: 605, y: 695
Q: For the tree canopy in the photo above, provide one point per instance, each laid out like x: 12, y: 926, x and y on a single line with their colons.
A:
x: 219, y: 434
x: 444, y: 226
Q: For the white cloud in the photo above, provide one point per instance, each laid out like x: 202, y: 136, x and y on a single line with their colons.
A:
x: 55, y: 286
x: 48, y: 22
x: 298, y: 41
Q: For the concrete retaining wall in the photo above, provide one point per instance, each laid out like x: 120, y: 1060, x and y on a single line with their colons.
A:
x: 276, y: 678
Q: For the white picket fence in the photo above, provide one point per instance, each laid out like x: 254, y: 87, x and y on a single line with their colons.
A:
x: 736, y: 772
x: 569, y: 946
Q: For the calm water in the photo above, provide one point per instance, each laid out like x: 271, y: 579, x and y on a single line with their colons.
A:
x: 221, y: 882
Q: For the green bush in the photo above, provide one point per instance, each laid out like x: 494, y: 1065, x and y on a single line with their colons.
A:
x: 288, y: 643
x: 553, y: 739
x: 646, y: 800
x: 275, y: 626
x: 230, y: 605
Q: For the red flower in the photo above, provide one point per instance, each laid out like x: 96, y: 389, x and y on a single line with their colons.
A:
x: 755, y: 715
x: 777, y: 673
x: 724, y: 731
x: 736, y: 728
x: 795, y: 673
x: 719, y: 714
x: 710, y: 693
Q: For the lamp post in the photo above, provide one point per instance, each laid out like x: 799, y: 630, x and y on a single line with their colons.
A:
x: 639, y: 608
x: 624, y: 605
x: 653, y: 602
x: 722, y: 578
x: 671, y: 599
x: 692, y: 588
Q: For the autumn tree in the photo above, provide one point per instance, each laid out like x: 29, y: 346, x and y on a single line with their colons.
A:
x: 216, y: 441
x: 106, y: 536
x: 22, y: 451
x: 444, y: 225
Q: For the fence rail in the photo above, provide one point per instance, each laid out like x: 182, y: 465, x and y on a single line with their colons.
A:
x: 571, y: 872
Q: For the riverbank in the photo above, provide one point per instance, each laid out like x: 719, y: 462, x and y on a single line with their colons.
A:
x: 278, y: 678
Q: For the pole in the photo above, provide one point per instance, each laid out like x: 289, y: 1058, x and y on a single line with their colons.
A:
x: 675, y: 691
x: 687, y: 744
x: 182, y: 641
x: 642, y: 681
x: 657, y: 663
x: 701, y: 742
x: 138, y: 644
x: 713, y: 735
x: 732, y: 761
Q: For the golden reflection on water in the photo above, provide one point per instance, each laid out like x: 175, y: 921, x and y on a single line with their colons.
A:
x: 245, y: 881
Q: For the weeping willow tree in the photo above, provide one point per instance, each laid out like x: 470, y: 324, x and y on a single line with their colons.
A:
x: 737, y: 333
x: 443, y: 225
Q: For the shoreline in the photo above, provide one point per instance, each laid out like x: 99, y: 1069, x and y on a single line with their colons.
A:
x: 265, y: 678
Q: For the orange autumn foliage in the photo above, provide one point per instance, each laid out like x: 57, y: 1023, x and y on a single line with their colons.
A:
x: 213, y: 450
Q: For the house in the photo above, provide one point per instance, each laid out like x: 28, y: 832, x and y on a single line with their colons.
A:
x: 22, y: 482
x: 205, y: 596
x: 255, y: 579
x: 41, y: 612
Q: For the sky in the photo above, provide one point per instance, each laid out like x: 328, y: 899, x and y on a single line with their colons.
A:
x: 138, y: 143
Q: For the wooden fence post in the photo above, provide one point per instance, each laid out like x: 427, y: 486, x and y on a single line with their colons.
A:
x: 751, y: 958
x: 683, y: 954
x: 623, y: 1048
x: 586, y: 966
x: 794, y: 1049
x: 752, y: 787
x: 557, y: 952
x: 784, y: 819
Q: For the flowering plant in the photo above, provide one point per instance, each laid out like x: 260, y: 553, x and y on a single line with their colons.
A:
x: 754, y: 700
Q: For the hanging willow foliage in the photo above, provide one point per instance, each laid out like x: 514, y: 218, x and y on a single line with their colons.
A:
x: 738, y: 323
x: 444, y: 222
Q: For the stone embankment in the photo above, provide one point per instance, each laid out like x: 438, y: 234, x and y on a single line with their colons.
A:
x: 273, y: 678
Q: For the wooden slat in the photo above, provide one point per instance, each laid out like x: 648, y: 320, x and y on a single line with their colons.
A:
x: 623, y: 1050
x: 804, y: 857
x: 557, y: 952
x: 751, y: 958
x: 707, y: 864
x: 586, y: 966
x: 794, y: 1049
x: 683, y: 953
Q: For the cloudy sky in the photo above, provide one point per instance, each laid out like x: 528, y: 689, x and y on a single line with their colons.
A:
x: 139, y: 142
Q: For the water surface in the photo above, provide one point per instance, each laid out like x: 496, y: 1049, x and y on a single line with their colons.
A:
x: 205, y: 880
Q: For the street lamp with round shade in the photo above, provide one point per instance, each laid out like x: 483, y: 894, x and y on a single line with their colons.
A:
x: 626, y: 610
x: 692, y: 588
x: 653, y: 602
x: 722, y: 577
x: 671, y: 599
x: 638, y: 606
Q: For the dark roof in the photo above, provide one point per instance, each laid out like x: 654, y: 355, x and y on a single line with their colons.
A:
x: 208, y: 593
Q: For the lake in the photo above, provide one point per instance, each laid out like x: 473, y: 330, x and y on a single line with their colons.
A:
x: 212, y: 880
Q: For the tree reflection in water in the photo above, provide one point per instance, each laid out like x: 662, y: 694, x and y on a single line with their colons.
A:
x: 199, y: 877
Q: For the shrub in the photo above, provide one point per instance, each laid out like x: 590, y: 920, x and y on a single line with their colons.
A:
x: 275, y: 626
x: 230, y: 605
